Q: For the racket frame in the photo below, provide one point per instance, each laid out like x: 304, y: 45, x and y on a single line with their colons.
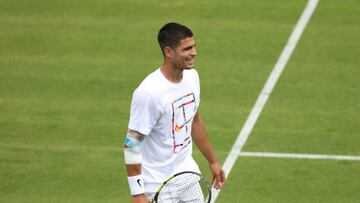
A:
x: 154, y: 199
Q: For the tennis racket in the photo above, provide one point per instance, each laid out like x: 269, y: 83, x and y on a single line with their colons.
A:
x: 184, y: 187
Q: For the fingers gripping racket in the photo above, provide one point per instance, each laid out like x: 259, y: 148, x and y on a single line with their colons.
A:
x: 184, y: 187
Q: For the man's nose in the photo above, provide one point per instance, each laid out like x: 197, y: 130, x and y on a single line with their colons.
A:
x: 193, y: 52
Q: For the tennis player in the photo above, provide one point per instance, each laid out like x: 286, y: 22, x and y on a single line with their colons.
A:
x: 164, y: 119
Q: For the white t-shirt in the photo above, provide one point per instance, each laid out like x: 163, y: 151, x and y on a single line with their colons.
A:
x: 163, y: 111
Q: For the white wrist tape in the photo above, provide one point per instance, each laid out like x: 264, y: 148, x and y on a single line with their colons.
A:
x: 136, y: 185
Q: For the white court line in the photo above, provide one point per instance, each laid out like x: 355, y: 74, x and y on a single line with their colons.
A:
x: 300, y: 156
x: 267, y: 89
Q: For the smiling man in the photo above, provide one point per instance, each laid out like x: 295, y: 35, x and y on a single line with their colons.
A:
x: 164, y: 119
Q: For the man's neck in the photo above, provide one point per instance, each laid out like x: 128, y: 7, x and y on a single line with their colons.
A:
x: 171, y: 73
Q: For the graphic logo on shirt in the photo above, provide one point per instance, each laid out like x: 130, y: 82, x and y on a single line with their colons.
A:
x: 184, y: 110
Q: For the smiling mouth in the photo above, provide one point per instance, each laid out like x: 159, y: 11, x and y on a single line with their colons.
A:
x: 191, y: 60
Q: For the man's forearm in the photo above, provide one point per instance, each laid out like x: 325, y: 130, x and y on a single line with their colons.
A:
x: 201, y: 140
x: 132, y: 154
x: 133, y: 169
x: 200, y: 137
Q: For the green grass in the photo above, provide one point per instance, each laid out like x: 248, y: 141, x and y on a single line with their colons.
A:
x: 67, y: 174
x: 68, y: 68
x: 315, y: 105
x: 292, y: 180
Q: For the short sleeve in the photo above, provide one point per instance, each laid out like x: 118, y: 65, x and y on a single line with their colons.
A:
x: 143, y: 113
x: 197, y: 84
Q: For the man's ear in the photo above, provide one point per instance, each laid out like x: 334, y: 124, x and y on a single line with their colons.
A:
x: 169, y: 52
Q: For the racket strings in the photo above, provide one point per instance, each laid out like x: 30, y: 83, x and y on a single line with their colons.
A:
x: 186, y: 187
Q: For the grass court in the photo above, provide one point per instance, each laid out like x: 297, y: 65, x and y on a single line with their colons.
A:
x: 68, y: 68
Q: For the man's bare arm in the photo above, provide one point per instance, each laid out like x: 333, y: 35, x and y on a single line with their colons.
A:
x: 201, y: 140
x: 133, y: 165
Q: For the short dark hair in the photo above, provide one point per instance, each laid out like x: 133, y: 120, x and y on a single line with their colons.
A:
x: 171, y: 34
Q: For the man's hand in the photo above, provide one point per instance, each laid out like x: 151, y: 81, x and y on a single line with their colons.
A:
x: 218, y: 180
x: 140, y: 199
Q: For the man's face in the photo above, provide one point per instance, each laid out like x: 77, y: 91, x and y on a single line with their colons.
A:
x: 184, y: 54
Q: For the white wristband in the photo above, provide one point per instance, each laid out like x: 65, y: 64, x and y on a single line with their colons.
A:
x: 136, y: 185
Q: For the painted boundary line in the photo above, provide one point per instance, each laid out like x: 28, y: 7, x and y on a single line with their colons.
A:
x: 267, y: 89
x: 299, y: 156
